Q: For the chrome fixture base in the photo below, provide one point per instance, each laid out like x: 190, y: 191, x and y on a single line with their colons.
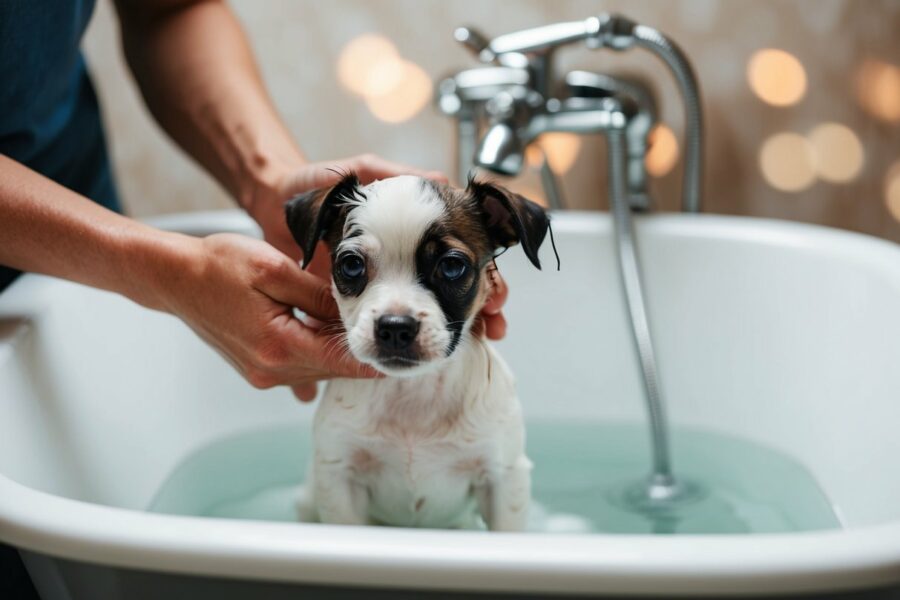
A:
x: 660, y: 494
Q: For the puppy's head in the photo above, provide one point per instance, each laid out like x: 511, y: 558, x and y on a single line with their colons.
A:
x: 410, y: 260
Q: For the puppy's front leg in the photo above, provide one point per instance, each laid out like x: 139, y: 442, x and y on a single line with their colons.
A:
x: 339, y: 499
x: 504, y: 500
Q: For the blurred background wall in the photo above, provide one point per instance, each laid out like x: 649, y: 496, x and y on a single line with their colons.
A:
x: 802, y: 99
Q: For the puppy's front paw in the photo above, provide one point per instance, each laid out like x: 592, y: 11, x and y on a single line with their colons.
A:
x: 306, y: 506
x: 505, y: 502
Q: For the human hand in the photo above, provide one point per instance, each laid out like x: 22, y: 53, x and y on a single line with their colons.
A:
x: 238, y: 294
x: 494, y: 323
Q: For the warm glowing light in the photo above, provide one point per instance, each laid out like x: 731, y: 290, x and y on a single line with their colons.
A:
x: 892, y: 190
x: 777, y: 77
x: 534, y: 156
x: 368, y: 65
x: 394, y: 89
x: 787, y: 161
x: 838, y: 152
x: 384, y: 76
x: 532, y: 193
x: 878, y: 90
x: 561, y: 150
x: 663, y: 152
x: 404, y: 100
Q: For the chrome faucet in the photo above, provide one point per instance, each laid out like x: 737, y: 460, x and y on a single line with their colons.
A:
x: 518, y: 100
x: 524, y: 68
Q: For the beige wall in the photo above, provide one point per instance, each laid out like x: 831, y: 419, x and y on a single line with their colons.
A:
x: 297, y: 43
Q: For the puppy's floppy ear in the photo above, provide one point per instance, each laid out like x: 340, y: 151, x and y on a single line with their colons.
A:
x: 511, y: 218
x: 312, y: 214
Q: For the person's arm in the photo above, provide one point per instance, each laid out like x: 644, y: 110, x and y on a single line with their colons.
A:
x: 198, y: 77
x: 196, y: 71
x: 235, y: 292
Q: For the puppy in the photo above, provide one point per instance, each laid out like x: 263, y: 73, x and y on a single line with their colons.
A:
x: 440, y: 440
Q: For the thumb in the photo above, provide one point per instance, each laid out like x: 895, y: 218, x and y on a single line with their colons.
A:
x: 339, y: 362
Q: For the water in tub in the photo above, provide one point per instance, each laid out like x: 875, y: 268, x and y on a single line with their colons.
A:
x: 580, y: 470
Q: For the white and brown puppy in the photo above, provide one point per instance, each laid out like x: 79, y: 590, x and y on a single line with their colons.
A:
x: 440, y: 440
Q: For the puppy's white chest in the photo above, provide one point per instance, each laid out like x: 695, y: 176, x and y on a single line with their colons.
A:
x: 419, y: 482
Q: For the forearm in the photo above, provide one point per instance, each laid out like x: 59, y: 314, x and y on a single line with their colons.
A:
x: 198, y: 77
x: 46, y: 228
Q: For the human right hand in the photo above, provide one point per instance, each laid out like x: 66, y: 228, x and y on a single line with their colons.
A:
x: 238, y: 294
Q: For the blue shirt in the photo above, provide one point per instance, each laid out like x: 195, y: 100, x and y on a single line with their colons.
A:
x: 49, y: 116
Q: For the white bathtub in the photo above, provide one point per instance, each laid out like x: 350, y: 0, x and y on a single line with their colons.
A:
x: 787, y: 335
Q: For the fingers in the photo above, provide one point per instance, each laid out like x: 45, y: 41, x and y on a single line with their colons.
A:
x: 324, y: 352
x: 494, y: 323
x: 495, y: 326
x: 497, y: 295
x: 305, y: 392
x: 370, y: 167
x: 346, y: 366
x: 284, y: 281
x: 321, y: 262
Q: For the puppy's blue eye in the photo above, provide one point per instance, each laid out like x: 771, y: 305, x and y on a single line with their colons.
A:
x: 352, y: 266
x: 452, y: 268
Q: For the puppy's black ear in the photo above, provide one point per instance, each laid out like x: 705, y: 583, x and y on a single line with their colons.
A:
x: 312, y: 214
x: 511, y: 218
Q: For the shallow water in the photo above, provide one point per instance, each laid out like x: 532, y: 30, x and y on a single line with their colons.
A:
x: 580, y: 474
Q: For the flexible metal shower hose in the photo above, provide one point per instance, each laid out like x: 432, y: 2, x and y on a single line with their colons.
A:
x: 672, y: 55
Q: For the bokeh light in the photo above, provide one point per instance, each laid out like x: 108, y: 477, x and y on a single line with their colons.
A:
x: 365, y: 62
x: 776, y: 77
x: 393, y: 88
x: 838, y: 152
x: 663, y: 153
x: 561, y: 149
x: 534, y: 155
x: 878, y: 90
x: 404, y: 100
x: 892, y: 190
x: 787, y: 161
x: 533, y: 193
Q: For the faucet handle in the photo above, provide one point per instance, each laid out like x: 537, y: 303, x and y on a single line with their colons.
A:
x: 544, y: 39
x: 475, y: 41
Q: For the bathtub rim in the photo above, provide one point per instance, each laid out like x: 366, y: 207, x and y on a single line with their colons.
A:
x: 625, y: 564
x: 832, y: 560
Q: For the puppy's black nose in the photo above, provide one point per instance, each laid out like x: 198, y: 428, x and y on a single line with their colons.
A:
x: 396, y: 332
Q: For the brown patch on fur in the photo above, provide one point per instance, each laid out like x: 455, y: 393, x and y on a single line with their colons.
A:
x: 470, y: 465
x: 462, y: 228
x: 362, y: 461
x: 464, y: 224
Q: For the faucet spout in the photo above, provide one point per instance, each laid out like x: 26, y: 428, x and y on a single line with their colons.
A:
x: 501, y: 150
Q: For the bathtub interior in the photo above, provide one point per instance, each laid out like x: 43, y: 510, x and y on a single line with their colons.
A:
x: 785, y: 340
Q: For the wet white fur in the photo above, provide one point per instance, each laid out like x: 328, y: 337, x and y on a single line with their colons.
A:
x: 439, y: 445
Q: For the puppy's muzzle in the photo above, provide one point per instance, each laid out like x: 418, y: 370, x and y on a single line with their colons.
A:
x: 395, y: 334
